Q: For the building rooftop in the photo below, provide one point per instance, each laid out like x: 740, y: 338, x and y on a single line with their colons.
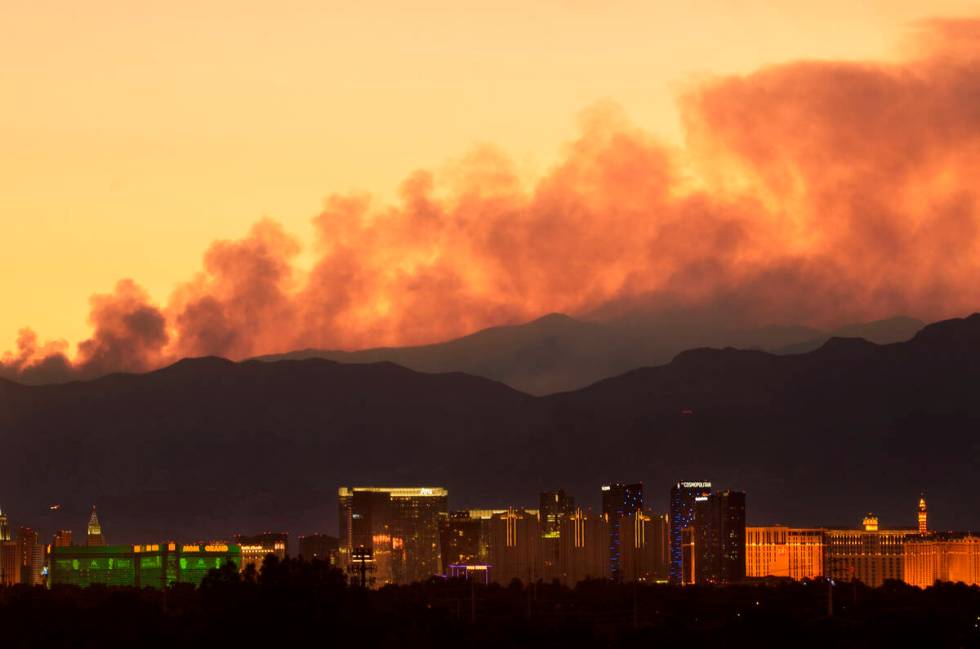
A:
x: 398, y: 492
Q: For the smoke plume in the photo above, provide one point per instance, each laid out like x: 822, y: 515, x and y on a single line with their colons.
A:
x: 808, y: 193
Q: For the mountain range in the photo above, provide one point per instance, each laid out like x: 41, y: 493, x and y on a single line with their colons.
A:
x: 207, y: 447
x: 557, y: 353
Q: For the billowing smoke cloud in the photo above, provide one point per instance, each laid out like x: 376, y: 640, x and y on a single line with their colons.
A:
x: 130, y: 335
x: 808, y: 193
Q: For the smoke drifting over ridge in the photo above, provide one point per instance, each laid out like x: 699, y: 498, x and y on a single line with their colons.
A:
x: 810, y: 193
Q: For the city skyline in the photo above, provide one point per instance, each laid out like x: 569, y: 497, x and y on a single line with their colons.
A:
x: 499, y: 545
x: 914, y: 523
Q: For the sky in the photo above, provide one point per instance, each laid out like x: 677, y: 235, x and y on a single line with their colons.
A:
x: 138, y: 136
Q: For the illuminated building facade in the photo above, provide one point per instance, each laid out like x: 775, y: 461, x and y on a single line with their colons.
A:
x: 461, y: 541
x: 645, y: 546
x: 689, y: 557
x: 254, y: 549
x: 9, y: 556
x: 365, y: 526
x: 618, y: 500
x: 584, y: 547
x: 923, y: 517
x: 683, y: 497
x: 928, y: 559
x: 777, y: 551
x: 31, y: 557
x: 870, y: 555
x: 9, y: 563
x: 155, y: 565
x: 321, y: 547
x: 515, y: 542
x: 62, y: 539
x: 399, y: 524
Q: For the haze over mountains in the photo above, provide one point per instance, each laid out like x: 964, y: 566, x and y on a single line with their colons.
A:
x: 207, y: 447
x: 558, y: 353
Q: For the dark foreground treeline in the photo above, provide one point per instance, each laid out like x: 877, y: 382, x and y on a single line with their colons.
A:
x: 296, y: 604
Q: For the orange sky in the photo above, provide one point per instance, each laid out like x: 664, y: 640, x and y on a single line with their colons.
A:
x: 136, y: 133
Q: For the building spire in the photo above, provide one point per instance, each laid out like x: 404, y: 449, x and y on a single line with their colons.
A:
x: 95, y: 537
x: 923, y: 515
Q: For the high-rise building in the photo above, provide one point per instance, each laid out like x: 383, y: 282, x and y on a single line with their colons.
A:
x: 94, y: 536
x: 10, y: 566
x: 31, y: 556
x: 689, y: 557
x: 584, y: 547
x: 778, y: 551
x: 257, y: 547
x: 62, y: 539
x: 618, y: 500
x: 555, y: 505
x: 321, y: 547
x: 923, y: 516
x: 645, y: 545
x: 465, y: 539
x: 460, y: 536
x: 941, y: 557
x: 400, y: 525
x: 515, y: 542
x: 683, y: 497
x: 9, y: 559
x: 719, y: 538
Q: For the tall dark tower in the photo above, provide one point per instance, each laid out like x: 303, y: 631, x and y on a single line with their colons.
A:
x: 683, y: 497
x: 719, y: 533
x: 554, y: 506
x: 95, y: 537
x: 619, y: 500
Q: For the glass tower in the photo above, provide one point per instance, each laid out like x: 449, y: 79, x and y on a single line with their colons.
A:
x: 400, y: 525
x: 683, y: 497
x: 619, y: 500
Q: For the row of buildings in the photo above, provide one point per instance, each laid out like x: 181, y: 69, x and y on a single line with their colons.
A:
x: 400, y: 535
x: 405, y: 534
x: 918, y: 556
x: 25, y: 560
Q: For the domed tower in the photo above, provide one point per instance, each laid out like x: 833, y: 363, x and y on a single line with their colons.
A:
x: 923, y: 515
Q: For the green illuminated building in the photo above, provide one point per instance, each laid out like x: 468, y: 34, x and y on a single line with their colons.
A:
x: 155, y: 565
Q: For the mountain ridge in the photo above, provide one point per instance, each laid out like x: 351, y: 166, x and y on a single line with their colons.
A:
x: 207, y: 447
x: 558, y: 353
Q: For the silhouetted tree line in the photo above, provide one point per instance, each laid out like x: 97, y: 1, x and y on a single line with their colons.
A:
x: 295, y: 604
